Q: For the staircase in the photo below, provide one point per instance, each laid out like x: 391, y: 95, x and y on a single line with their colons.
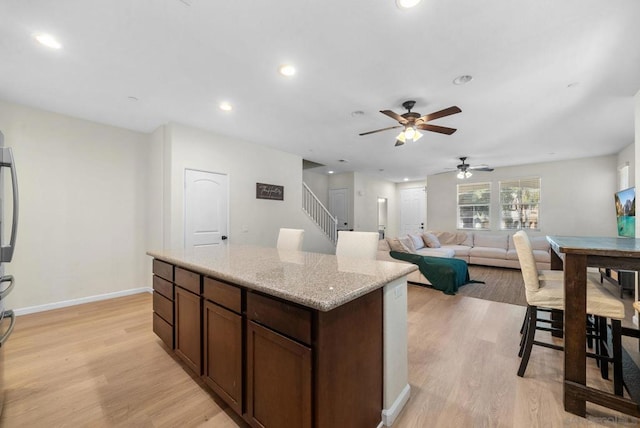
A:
x: 319, y: 213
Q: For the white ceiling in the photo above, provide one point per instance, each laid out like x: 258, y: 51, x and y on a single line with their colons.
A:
x: 181, y: 58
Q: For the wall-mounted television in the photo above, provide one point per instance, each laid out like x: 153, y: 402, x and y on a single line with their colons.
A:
x: 626, y: 212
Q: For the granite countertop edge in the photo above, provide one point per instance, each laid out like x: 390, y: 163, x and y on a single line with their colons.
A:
x: 321, y: 305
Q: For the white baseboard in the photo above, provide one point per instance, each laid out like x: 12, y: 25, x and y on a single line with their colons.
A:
x: 389, y: 415
x: 81, y: 300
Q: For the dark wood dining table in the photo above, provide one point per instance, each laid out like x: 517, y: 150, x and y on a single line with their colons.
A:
x: 574, y: 254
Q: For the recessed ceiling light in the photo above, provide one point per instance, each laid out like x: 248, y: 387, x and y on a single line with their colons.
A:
x: 225, y: 106
x: 573, y: 84
x: 406, y: 4
x: 461, y: 80
x: 406, y: 179
x: 132, y: 99
x: 329, y: 172
x: 357, y: 113
x: 47, y: 40
x: 343, y: 160
x: 287, y: 70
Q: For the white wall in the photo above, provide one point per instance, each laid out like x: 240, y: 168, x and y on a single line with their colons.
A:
x: 82, y: 206
x: 245, y: 164
x: 367, y: 191
x: 319, y: 185
x: 577, y: 196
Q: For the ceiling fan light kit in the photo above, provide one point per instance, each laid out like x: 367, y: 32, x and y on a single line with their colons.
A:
x: 464, y: 169
x: 412, y: 121
x: 407, y: 4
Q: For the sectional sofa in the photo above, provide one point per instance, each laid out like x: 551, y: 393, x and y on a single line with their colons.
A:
x: 476, y: 248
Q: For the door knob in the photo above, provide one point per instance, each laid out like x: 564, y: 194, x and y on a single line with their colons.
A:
x: 223, y: 237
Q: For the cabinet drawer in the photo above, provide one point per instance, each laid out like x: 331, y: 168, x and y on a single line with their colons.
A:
x: 188, y: 280
x: 163, y: 307
x: 226, y: 295
x: 162, y: 269
x: 163, y: 287
x: 163, y: 329
x: 286, y: 318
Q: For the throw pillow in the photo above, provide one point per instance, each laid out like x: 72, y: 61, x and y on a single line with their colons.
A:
x: 431, y: 240
x: 396, y: 245
x: 407, y: 242
x: 417, y: 241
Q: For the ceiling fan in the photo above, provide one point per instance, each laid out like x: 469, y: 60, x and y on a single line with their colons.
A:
x: 464, y: 169
x: 412, y: 121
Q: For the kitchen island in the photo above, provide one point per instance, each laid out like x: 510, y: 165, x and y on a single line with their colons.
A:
x: 288, y: 338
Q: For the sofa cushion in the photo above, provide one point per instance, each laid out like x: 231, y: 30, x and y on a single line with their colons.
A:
x: 540, y: 243
x: 489, y: 252
x: 453, y: 238
x: 436, y: 252
x: 537, y: 243
x: 383, y: 245
x: 417, y: 241
x: 540, y: 256
x: 431, y: 240
x: 459, y: 250
x: 490, y: 241
x: 396, y: 245
x: 407, y: 242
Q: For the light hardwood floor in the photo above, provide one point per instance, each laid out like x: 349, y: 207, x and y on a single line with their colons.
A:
x: 100, y: 365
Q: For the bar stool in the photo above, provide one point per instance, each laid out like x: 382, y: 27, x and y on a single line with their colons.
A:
x: 363, y: 245
x: 290, y: 239
x: 546, y: 292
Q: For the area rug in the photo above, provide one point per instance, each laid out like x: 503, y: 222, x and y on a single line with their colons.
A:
x: 500, y: 285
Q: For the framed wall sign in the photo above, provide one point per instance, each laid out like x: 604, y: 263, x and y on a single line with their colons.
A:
x: 269, y: 191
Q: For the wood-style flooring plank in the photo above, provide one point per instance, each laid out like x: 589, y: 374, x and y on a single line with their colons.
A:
x: 100, y: 365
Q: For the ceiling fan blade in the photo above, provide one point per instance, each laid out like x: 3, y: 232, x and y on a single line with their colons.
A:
x: 436, y: 128
x: 442, y: 113
x: 379, y: 130
x: 394, y: 115
x: 399, y: 143
x: 481, y: 168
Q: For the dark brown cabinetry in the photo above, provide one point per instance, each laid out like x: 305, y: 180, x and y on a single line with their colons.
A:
x: 222, y: 335
x: 276, y: 363
x: 163, y: 301
x: 279, y: 356
x: 188, y: 318
x: 279, y: 375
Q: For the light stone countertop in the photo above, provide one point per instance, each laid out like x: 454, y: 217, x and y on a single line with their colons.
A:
x: 318, y: 281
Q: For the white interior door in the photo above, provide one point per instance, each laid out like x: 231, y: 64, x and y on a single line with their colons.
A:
x: 206, y: 207
x: 339, y: 207
x: 413, y: 210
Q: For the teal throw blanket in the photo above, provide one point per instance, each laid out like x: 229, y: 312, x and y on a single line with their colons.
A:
x: 444, y: 274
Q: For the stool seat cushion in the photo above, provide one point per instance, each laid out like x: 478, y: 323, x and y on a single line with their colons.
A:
x: 599, y: 301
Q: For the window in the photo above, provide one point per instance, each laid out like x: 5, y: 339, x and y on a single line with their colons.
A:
x: 520, y: 204
x: 474, y: 203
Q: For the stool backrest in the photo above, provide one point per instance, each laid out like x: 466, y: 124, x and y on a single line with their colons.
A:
x: 527, y: 261
x: 363, y: 245
x: 290, y: 239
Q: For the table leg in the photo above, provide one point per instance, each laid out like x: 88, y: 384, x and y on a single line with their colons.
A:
x: 575, y: 366
x: 556, y: 316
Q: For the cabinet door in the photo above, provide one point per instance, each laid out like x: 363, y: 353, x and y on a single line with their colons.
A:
x: 278, y: 380
x: 223, y: 353
x: 187, y: 327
